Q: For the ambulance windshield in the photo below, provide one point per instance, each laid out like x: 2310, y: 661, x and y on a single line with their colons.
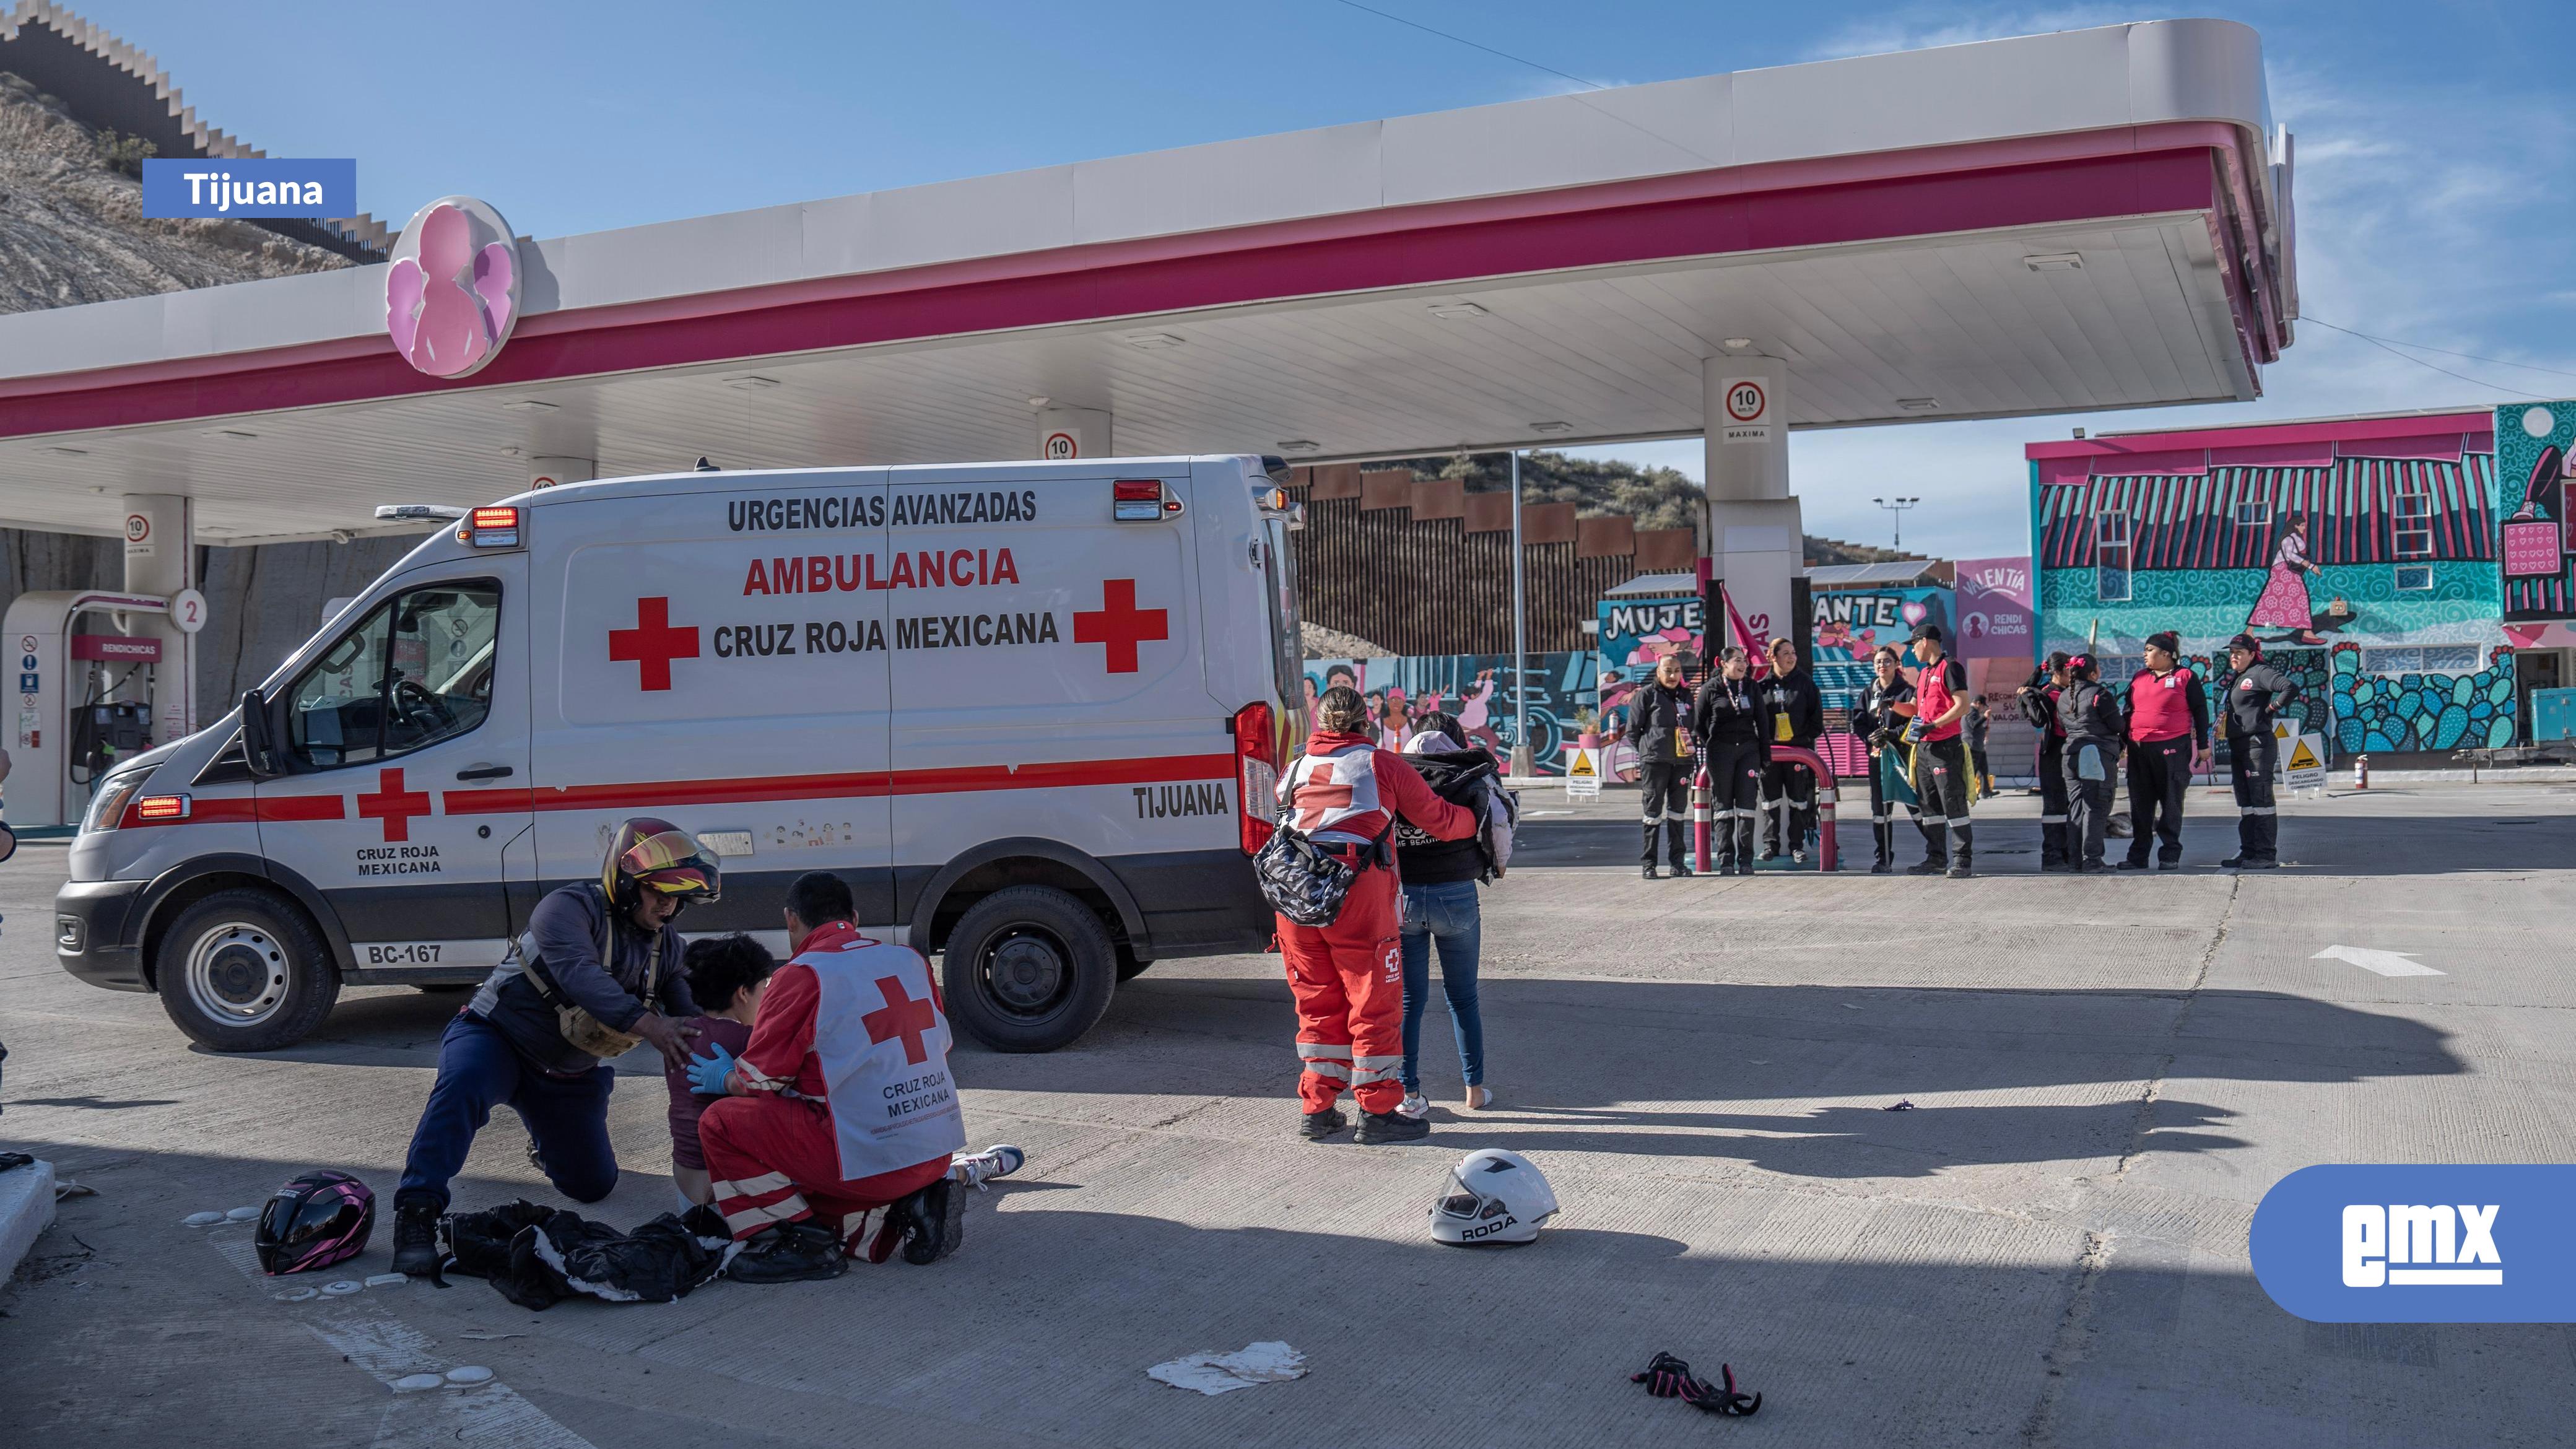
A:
x: 416, y: 670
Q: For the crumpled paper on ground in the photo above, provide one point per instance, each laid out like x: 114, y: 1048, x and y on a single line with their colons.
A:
x: 1223, y: 1373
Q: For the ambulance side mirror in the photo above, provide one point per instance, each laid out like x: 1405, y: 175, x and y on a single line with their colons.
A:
x: 259, y: 737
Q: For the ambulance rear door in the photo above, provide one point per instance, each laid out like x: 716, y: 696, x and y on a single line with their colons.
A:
x: 406, y: 741
x: 717, y: 658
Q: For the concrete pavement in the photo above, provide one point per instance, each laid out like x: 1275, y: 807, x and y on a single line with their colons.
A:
x: 2108, y: 1073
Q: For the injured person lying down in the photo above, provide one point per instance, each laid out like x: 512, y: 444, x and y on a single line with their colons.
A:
x: 839, y: 1129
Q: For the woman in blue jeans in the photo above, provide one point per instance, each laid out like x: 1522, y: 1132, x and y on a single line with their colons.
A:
x: 1440, y: 906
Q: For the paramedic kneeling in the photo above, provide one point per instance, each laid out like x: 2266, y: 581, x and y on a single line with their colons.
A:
x: 1345, y: 794
x: 841, y: 1105
x: 598, y: 968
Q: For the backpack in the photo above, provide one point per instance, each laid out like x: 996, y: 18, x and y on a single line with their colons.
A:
x: 1300, y: 880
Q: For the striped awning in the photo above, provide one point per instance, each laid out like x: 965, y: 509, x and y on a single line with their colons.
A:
x: 2188, y: 521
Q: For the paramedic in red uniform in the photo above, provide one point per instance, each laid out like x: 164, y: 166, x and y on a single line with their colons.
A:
x: 1348, y: 977
x: 2168, y: 744
x: 841, y: 1105
x: 1941, y: 760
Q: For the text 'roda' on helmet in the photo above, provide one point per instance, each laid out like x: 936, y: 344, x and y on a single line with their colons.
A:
x: 1494, y: 1196
x: 658, y: 856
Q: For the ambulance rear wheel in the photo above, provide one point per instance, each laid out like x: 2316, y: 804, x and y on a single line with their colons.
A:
x: 1029, y: 969
x: 244, y: 971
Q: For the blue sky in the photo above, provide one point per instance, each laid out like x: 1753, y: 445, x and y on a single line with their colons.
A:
x: 2437, y: 144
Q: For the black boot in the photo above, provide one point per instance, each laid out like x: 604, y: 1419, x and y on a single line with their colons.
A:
x: 1377, y: 1128
x: 1960, y: 866
x: 934, y: 1222
x: 789, y: 1253
x: 1319, y: 1125
x: 416, y: 1234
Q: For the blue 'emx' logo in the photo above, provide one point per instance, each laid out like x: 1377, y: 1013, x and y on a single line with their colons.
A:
x: 2419, y: 1244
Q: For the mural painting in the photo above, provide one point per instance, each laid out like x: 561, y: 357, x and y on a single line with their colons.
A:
x: 1477, y: 688
x: 2421, y: 711
x: 1635, y: 635
x: 1849, y: 625
x: 2535, y: 454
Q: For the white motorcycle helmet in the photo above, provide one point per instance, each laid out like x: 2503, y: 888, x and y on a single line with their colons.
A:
x: 1494, y: 1196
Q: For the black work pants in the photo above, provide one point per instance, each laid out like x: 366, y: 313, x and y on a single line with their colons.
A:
x: 2088, y: 802
x: 2052, y: 801
x: 2249, y: 771
x: 1788, y: 808
x: 1941, y: 782
x: 2159, y: 772
x: 1882, y: 816
x: 1666, y: 786
x: 1734, y: 798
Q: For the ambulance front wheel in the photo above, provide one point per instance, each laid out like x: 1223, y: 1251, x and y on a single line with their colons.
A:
x: 1029, y: 969
x: 244, y: 971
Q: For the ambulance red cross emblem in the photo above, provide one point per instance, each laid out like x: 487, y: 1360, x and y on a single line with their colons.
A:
x: 1119, y: 625
x: 653, y: 643
x: 393, y: 804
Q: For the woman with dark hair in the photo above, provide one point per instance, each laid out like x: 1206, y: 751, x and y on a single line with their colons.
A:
x: 2285, y: 603
x: 1733, y: 722
x: 1439, y: 880
x: 1879, y: 717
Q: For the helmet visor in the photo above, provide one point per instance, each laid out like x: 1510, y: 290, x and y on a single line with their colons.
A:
x: 669, y: 863
x: 292, y: 1220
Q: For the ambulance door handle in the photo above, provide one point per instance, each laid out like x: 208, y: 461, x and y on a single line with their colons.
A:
x: 484, y: 772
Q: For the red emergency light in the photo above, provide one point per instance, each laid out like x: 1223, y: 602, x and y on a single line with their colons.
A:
x: 491, y: 528
x: 161, y: 807
x: 1256, y: 766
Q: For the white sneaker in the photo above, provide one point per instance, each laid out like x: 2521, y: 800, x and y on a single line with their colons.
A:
x: 974, y: 1169
x: 1415, y: 1106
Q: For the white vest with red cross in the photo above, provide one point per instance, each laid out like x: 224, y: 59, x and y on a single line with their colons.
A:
x: 882, y: 1041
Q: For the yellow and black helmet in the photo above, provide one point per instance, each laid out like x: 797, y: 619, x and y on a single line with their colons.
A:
x: 658, y: 856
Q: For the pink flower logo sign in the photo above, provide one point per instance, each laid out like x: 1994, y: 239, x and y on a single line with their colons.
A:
x: 452, y: 293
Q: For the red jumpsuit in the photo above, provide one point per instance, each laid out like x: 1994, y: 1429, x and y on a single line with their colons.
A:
x: 771, y: 1151
x: 1348, y: 977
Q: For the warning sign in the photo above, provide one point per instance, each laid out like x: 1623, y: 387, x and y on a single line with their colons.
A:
x: 2304, y: 768
x: 1582, y: 774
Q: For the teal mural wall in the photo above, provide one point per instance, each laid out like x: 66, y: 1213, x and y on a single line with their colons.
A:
x: 2206, y: 606
x: 2422, y: 711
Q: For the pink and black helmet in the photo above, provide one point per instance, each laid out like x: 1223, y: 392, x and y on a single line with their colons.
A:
x: 316, y: 1220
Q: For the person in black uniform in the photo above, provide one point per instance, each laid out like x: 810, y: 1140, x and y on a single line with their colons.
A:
x: 2089, y: 717
x: 2168, y: 714
x: 2254, y: 698
x: 2038, y: 700
x: 1788, y: 790
x: 1879, y: 717
x: 1734, y: 728
x: 1659, y: 730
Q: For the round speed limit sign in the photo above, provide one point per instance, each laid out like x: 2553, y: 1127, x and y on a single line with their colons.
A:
x: 1745, y: 401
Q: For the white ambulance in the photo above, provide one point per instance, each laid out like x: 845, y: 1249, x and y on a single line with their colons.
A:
x: 1031, y: 712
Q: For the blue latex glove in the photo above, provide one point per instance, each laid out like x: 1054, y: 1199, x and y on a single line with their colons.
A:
x: 707, y: 1074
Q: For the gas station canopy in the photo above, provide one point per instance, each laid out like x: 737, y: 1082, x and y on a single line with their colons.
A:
x: 2086, y: 220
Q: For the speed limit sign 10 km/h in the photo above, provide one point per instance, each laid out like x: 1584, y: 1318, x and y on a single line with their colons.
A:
x: 1747, y: 402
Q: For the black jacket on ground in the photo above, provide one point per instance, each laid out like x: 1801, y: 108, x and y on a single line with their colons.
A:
x: 1794, y: 694
x: 2254, y: 698
x: 1654, y: 714
x: 1731, y: 711
x: 1461, y: 777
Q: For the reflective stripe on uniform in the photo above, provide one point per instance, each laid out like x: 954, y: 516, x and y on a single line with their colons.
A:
x: 2052, y: 820
x: 1654, y: 814
x: 790, y: 1206
x: 1323, y: 1049
x: 1329, y: 1071
x: 754, y: 1187
x: 1325, y: 1059
x: 2255, y: 810
x: 1376, y: 1069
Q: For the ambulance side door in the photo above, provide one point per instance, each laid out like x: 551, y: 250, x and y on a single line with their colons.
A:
x: 717, y: 659
x: 406, y: 741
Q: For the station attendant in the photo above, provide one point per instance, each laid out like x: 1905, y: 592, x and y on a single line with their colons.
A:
x: 2254, y: 700
x: 1941, y: 768
x: 1345, y: 794
x: 1734, y: 728
x: 1879, y: 717
x: 599, y: 968
x: 2038, y: 700
x: 2168, y: 744
x: 2089, y: 718
x: 1789, y: 790
x: 1659, y: 730
x: 842, y: 1105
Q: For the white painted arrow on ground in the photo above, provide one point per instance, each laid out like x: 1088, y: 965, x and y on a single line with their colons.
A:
x: 2386, y: 963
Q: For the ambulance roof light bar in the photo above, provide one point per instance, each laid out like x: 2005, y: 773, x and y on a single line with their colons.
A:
x: 418, y: 512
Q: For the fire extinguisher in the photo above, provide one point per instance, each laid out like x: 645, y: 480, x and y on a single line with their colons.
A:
x: 2361, y: 772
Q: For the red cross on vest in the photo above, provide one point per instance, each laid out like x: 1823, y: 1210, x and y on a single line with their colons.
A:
x: 393, y: 804
x: 1119, y: 624
x: 901, y: 1016
x: 652, y: 644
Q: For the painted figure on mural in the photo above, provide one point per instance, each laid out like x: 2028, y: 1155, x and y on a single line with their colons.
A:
x: 2285, y: 602
x: 1475, y: 715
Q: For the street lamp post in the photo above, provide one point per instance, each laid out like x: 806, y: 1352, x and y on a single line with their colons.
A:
x: 1524, y: 759
x: 1897, y: 506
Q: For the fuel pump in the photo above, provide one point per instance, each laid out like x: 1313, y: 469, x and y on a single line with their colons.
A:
x: 87, y: 690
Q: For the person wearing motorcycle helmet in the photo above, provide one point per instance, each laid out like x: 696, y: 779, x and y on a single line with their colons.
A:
x: 598, y: 970
x: 319, y: 1219
x: 1495, y: 1196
